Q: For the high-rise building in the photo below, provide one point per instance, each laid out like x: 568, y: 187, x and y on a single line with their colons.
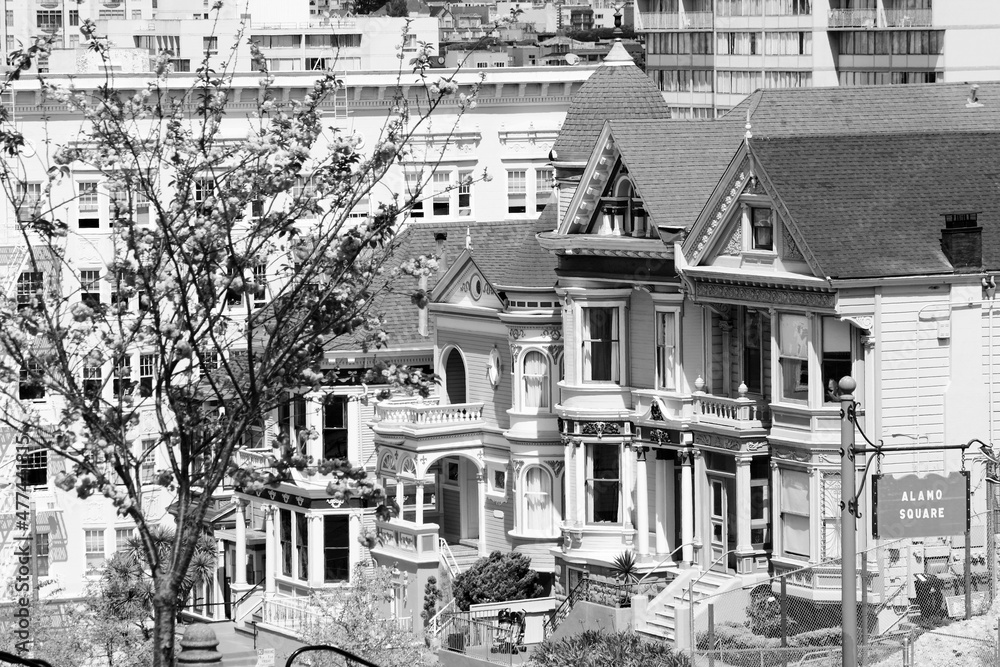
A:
x: 707, y: 55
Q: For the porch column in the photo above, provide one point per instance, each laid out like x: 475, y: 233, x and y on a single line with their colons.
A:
x: 400, y: 496
x: 743, y: 544
x: 240, y: 566
x: 569, y: 508
x: 270, y: 549
x: 580, y: 452
x: 687, y: 508
x: 660, y: 515
x: 220, y: 577
x: 418, y: 517
x: 627, y: 474
x: 641, y: 502
x: 700, y: 514
x: 317, y: 550
x: 481, y: 480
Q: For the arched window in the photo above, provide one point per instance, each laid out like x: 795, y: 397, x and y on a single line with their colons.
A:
x: 454, y: 374
x: 537, y: 500
x: 535, y: 374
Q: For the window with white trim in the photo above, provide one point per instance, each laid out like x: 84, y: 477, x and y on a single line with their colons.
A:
x: 537, y: 508
x: 543, y: 188
x: 793, y: 356
x: 29, y: 287
x: 94, y: 548
x: 666, y: 350
x: 90, y: 288
x: 535, y: 381
x: 260, y: 285
x: 147, y: 364
x: 464, y: 193
x: 604, y: 484
x: 442, y: 193
x: 836, y: 356
x: 86, y: 204
x: 760, y: 502
x: 795, y: 508
x: 122, y: 536
x: 517, y: 191
x: 412, y: 188
x: 121, y: 381
x: 600, y: 336
x: 92, y: 381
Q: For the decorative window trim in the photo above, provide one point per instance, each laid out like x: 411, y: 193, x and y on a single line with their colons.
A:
x: 658, y: 312
x: 497, y: 474
x: 622, y: 340
x: 548, y: 382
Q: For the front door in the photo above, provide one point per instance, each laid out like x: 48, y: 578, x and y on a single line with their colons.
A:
x: 723, y: 523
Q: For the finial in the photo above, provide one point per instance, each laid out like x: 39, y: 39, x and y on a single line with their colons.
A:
x: 468, y: 238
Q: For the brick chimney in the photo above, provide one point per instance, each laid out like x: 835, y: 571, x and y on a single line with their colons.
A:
x: 962, y: 241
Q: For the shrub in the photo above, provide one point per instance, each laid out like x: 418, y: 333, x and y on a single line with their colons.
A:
x: 431, y: 596
x: 599, y: 648
x: 497, y: 578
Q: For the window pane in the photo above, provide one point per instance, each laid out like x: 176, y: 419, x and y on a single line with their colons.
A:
x: 538, y: 500
x: 536, y: 380
x: 336, y: 544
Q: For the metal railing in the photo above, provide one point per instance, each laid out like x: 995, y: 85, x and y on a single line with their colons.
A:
x: 852, y: 18
x: 605, y: 593
x: 448, y: 558
x: 909, y: 18
x: 434, y: 623
x: 481, y: 639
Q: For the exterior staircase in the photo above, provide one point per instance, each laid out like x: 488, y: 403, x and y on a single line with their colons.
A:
x: 466, y: 553
x: 661, y: 619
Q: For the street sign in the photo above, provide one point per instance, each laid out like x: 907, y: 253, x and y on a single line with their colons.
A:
x: 929, y: 505
x: 265, y: 657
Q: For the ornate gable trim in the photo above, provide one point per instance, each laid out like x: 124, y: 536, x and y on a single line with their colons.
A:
x: 725, y: 200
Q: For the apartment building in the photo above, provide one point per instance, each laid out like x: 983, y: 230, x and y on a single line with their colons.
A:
x: 707, y: 55
x: 292, y: 36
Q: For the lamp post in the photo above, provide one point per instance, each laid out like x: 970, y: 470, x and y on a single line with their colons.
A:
x: 848, y: 538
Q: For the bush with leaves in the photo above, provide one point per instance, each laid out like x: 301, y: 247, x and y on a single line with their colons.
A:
x: 357, y: 619
x: 497, y: 578
x: 600, y: 648
x: 431, y: 596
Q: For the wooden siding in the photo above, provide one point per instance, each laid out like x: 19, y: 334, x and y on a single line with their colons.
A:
x: 477, y: 348
x: 915, y: 372
x: 692, y: 344
x: 713, y: 380
x: 451, y: 510
x: 641, y: 350
x: 496, y: 528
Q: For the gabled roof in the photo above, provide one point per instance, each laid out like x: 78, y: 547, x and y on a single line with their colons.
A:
x: 676, y: 165
x: 870, y: 109
x: 617, y: 89
x: 873, y: 205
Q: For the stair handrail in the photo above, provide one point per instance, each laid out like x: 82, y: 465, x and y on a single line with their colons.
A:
x: 448, y: 557
x: 434, y: 625
x: 244, y: 598
x: 885, y: 605
x: 665, y: 559
x: 562, y: 611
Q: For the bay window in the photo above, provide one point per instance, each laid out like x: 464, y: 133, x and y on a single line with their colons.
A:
x: 600, y: 334
x: 795, y: 509
x: 603, y: 484
x: 535, y: 381
x: 537, y: 501
x: 666, y: 350
x: 793, y: 356
x: 285, y: 540
x: 337, y: 548
x: 836, y: 356
x: 302, y: 544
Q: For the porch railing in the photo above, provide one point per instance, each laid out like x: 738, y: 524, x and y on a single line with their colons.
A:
x: 254, y: 458
x: 287, y: 613
x: 721, y: 409
x: 429, y: 415
x: 436, y: 622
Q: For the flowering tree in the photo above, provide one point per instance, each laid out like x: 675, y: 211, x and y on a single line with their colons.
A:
x: 203, y: 228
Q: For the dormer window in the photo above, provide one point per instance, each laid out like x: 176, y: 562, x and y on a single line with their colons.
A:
x: 762, y: 227
x: 623, y: 214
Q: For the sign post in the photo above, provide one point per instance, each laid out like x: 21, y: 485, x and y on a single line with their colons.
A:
x: 848, y: 558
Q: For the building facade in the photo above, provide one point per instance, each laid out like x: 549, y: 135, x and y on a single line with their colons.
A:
x: 706, y: 56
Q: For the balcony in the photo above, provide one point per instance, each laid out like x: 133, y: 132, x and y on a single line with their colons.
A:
x: 654, y: 21
x: 853, y: 18
x: 257, y: 459
x: 741, y: 413
x: 427, y: 416
x: 909, y: 18
x: 405, y: 540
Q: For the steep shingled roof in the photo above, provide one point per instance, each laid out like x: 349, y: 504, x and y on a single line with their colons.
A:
x: 872, y: 205
x: 618, y: 89
x: 676, y: 164
x: 933, y: 107
x: 506, y: 252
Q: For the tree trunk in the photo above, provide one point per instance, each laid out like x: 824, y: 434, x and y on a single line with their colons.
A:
x: 164, y: 625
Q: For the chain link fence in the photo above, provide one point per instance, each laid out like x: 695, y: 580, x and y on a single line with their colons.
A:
x: 905, y: 588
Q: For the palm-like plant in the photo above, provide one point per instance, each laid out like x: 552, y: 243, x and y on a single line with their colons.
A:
x: 625, y: 567
x: 127, y: 585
